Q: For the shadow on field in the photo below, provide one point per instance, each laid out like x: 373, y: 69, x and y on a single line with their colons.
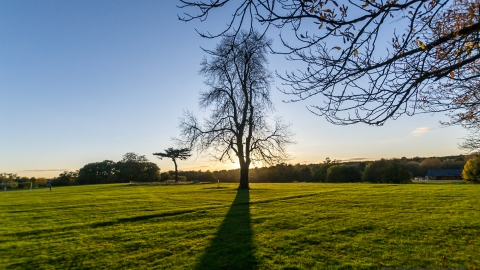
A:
x: 232, y: 246
x: 140, y: 218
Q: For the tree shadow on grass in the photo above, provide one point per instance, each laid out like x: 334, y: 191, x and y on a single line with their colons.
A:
x: 232, y: 246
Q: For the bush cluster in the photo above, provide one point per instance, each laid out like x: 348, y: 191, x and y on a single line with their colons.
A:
x: 471, y: 171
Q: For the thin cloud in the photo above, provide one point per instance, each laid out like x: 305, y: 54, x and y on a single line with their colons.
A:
x: 419, y: 131
x: 47, y: 170
x: 355, y: 159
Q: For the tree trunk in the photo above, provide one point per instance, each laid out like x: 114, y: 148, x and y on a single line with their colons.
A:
x: 243, y: 176
x: 176, y: 171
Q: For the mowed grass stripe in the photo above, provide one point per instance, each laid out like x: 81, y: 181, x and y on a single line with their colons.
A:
x: 275, y: 226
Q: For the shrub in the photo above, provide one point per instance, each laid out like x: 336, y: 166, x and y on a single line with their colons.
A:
x: 164, y: 176
x: 343, y: 174
x: 471, y: 171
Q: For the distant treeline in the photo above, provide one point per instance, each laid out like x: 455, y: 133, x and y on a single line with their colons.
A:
x: 380, y: 171
x: 11, y: 180
x: 134, y: 167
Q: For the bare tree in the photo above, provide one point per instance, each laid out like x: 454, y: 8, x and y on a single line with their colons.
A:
x: 174, y: 154
x: 370, y: 60
x: 238, y: 127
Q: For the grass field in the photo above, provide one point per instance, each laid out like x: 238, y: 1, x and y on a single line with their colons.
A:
x: 272, y: 226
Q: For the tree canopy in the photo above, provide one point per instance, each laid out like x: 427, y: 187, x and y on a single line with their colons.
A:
x: 343, y: 174
x: 132, y: 167
x: 174, y: 154
x: 370, y: 60
x: 386, y: 171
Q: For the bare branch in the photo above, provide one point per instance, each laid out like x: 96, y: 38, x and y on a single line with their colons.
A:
x: 370, y: 60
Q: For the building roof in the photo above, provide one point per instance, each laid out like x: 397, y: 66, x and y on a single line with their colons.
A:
x: 451, y: 172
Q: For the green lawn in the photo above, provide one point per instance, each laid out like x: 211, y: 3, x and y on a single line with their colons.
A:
x: 272, y: 226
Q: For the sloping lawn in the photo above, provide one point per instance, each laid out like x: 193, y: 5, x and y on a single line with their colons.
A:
x: 272, y: 226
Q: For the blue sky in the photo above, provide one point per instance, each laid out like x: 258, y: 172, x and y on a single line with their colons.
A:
x: 85, y: 81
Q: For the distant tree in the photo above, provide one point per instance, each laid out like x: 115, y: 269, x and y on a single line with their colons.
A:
x: 320, y: 171
x: 282, y: 173
x: 451, y: 163
x: 132, y: 157
x: 343, y: 174
x: 386, y: 171
x: 41, y: 182
x: 415, y: 169
x: 329, y: 161
x: 164, y: 176
x: 174, y: 155
x: 239, y: 127
x: 134, y: 167
x: 97, y: 173
x: 374, y: 172
x: 306, y: 173
x: 471, y: 171
x: 361, y: 166
x: 24, y: 182
x: 66, y: 179
x: 9, y: 180
x: 397, y: 173
x: 431, y: 164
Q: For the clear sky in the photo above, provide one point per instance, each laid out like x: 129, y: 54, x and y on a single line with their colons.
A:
x: 85, y: 81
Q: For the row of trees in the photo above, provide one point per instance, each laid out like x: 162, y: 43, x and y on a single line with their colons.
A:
x: 381, y: 171
x: 420, y: 168
x: 137, y: 168
x: 132, y: 167
x: 12, y: 180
